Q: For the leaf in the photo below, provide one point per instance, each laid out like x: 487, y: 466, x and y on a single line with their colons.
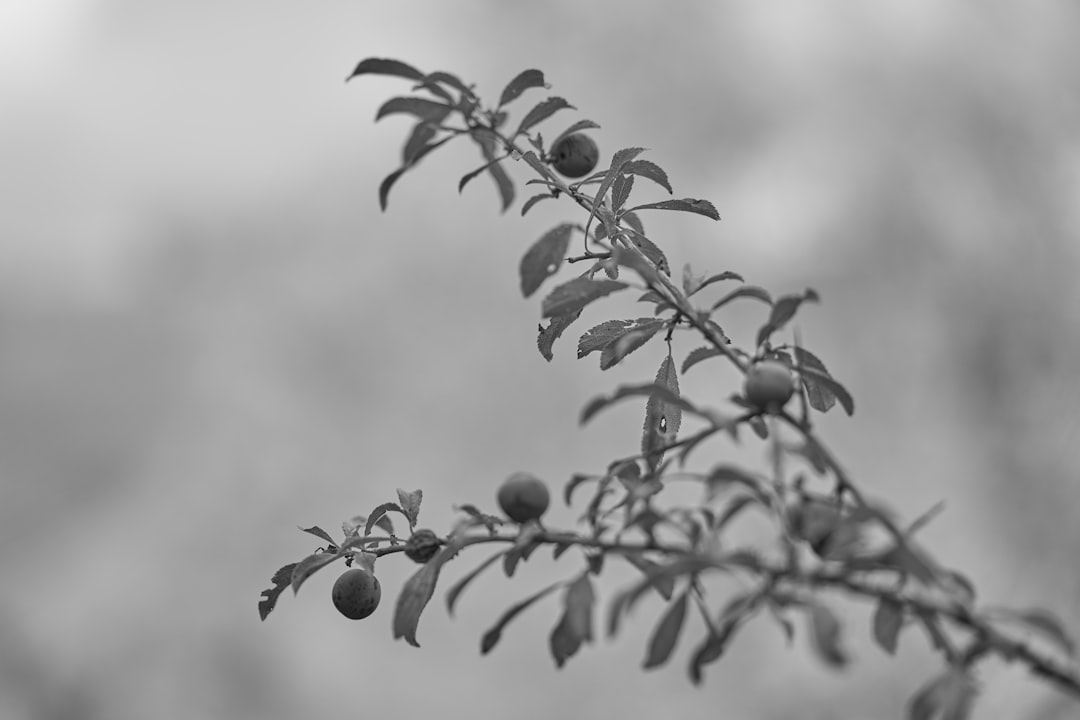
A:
x: 421, y: 133
x: 389, y: 180
x: 667, y: 633
x: 545, y: 341
x: 472, y: 174
x: 527, y: 205
x: 576, y: 625
x: 381, y: 66
x: 782, y: 311
x: 650, y: 170
x: 307, y: 567
x: 825, y: 630
x: 522, y: 548
x: 701, y: 207
x: 618, y: 160
x: 574, y: 295
x: 724, y: 475
x: 454, y: 592
x: 576, y: 127
x: 353, y: 525
x: 571, y: 485
x: 416, y: 593
x: 833, y: 387
x: 378, y: 513
x: 888, y: 619
x: 321, y: 534
x: 618, y: 338
x: 410, y: 504
x: 541, y: 112
x: 525, y: 79
x: 662, y: 417
x: 492, y: 636
x: 750, y: 291
x: 628, y: 343
x: 817, y: 395
x: 428, y: 110
x: 624, y: 391
x: 665, y: 585
x: 450, y: 80
x: 949, y: 696
x: 710, y: 650
x: 719, y: 277
x: 697, y: 355
x: 620, y: 191
x: 490, y: 522
x: 281, y: 580
x: 543, y: 259
x: 487, y: 142
x: 1041, y: 621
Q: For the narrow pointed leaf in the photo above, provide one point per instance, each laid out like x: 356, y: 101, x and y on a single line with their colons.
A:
x: 416, y: 593
x: 454, y: 592
x: 622, y: 392
x: 700, y: 207
x: 576, y: 127
x: 888, y: 619
x: 817, y: 395
x: 782, y: 311
x: 650, y: 170
x: 832, y: 386
x: 620, y: 191
x: 719, y: 277
x: 527, y: 205
x: 525, y: 79
x: 751, y: 291
x: 667, y: 632
x: 492, y: 636
x: 382, y: 66
x: 320, y: 533
x: 618, y: 160
x: 697, y: 355
x: 425, y: 109
x: 378, y: 512
x: 575, y: 627
x: 825, y: 631
x: 542, y: 112
x: 307, y: 567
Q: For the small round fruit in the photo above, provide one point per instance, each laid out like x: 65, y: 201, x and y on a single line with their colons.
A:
x: 356, y: 594
x: 523, y: 497
x: 769, y: 384
x: 575, y: 155
x: 422, y: 546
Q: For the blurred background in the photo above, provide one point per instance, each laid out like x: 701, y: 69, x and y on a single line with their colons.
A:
x: 211, y: 335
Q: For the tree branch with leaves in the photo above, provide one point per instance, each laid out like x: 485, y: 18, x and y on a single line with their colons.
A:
x: 830, y: 540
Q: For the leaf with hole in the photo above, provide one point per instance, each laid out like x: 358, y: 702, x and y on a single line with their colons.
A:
x: 544, y: 258
x: 662, y: 417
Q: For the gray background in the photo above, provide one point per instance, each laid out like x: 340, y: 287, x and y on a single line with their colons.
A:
x: 211, y: 335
